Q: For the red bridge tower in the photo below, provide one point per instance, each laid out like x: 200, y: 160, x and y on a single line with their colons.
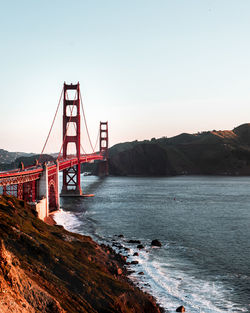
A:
x: 103, y: 165
x: 71, y: 115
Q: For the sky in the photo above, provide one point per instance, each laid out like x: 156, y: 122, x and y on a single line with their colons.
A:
x: 151, y: 68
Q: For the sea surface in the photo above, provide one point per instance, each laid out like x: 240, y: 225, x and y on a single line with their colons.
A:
x: 203, y: 223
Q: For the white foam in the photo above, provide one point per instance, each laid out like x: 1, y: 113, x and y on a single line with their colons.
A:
x: 173, y: 288
x: 168, y: 284
x: 67, y: 219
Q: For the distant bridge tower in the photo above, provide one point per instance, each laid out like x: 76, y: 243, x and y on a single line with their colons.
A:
x: 71, y: 115
x: 103, y: 165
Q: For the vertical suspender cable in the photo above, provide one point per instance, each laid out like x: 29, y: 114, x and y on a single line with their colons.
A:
x: 71, y: 111
x: 75, y: 128
x: 51, y: 126
x: 86, y: 124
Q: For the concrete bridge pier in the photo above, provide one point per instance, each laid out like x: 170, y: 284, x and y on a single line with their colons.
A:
x: 42, y: 207
x: 48, y: 191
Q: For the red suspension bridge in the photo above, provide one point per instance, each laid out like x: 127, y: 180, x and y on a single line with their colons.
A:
x: 40, y: 183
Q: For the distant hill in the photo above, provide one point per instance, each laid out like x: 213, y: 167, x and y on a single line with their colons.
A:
x: 9, y: 157
x: 26, y: 160
x: 211, y: 152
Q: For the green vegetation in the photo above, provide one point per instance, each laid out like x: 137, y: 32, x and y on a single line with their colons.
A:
x: 75, y: 273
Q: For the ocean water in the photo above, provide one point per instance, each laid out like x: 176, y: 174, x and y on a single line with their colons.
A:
x: 203, y: 223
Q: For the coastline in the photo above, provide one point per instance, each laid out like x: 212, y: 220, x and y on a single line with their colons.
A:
x: 122, y: 269
x: 60, y: 271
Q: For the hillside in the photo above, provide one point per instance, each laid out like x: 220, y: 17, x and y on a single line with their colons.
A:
x: 7, y: 157
x: 212, y: 152
x: 48, y: 269
x: 26, y: 160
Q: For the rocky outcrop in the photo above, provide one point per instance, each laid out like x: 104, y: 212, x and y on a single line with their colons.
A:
x: 48, y: 269
x: 20, y: 293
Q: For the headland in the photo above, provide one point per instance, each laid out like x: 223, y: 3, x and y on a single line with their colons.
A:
x: 45, y: 268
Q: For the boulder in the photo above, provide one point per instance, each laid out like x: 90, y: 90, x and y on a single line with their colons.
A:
x: 141, y: 273
x: 140, y: 247
x: 180, y: 309
x: 134, y: 262
x: 134, y: 241
x: 121, y: 236
x: 136, y: 254
x: 156, y: 243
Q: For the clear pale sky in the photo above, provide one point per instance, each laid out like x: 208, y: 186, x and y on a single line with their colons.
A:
x: 152, y: 68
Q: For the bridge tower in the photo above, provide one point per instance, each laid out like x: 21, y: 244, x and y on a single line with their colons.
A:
x: 71, y: 115
x: 103, y: 165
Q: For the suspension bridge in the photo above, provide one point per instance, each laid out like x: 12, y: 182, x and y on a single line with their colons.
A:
x: 39, y: 183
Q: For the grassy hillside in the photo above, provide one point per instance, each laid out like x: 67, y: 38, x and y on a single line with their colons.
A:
x: 48, y: 269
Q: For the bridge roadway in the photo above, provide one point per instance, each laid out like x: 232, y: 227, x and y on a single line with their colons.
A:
x: 39, y: 184
x: 31, y: 173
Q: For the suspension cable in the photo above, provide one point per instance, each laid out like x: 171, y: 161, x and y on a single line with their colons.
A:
x: 76, y: 129
x: 71, y: 111
x: 51, y: 126
x: 97, y: 139
x: 86, y: 123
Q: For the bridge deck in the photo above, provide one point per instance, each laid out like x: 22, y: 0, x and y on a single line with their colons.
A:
x: 18, y: 176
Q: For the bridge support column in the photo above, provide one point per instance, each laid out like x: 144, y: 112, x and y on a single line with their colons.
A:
x: 43, y: 195
x: 57, y: 182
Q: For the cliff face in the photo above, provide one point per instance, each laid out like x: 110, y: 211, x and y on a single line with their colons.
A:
x: 213, y: 152
x: 47, y: 269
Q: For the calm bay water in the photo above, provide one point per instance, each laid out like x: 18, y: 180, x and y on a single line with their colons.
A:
x: 203, y: 223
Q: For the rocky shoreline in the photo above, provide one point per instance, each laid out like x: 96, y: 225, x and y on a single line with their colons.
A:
x: 44, y: 268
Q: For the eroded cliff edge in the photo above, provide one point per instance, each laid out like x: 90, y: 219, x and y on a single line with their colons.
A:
x: 48, y: 269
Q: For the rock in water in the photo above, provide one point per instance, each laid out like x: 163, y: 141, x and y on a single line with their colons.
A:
x: 140, y: 247
x: 134, y: 262
x: 134, y: 241
x: 180, y: 309
x: 156, y: 243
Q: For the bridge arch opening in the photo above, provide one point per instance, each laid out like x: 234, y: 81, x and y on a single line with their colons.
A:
x: 71, y: 149
x: 71, y: 129
x: 71, y: 110
x: 71, y: 94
